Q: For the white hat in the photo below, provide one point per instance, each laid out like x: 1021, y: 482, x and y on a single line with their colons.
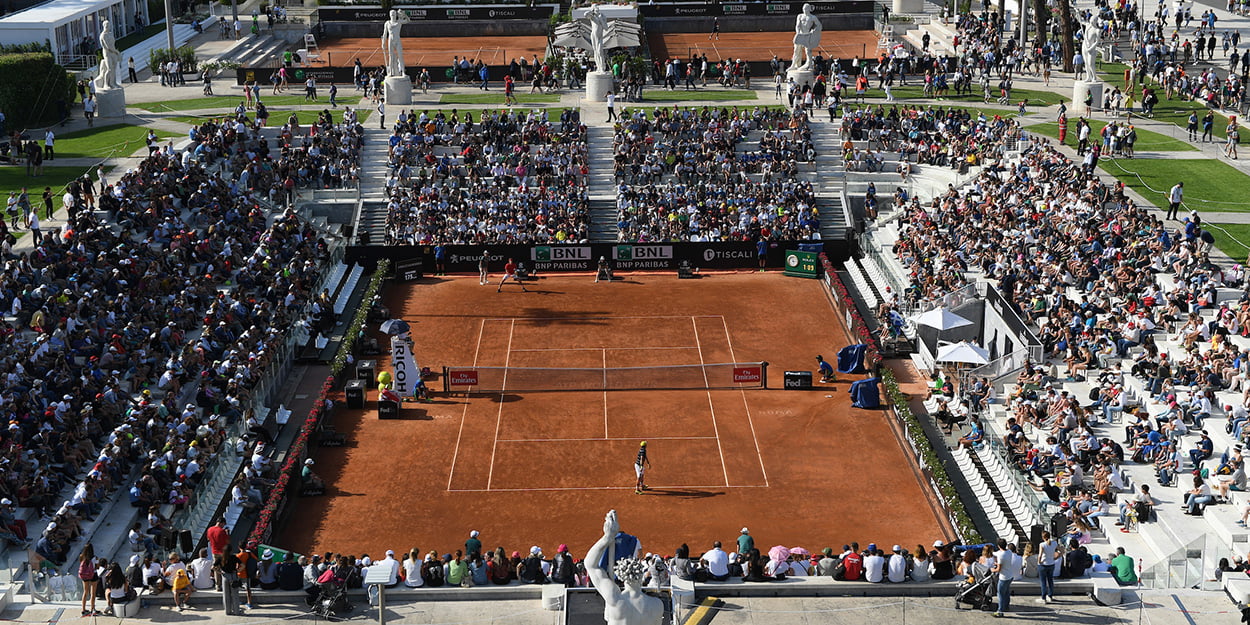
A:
x: 937, y: 544
x: 473, y: 534
x: 6, y: 502
x: 309, y: 462
x: 267, y: 555
x: 744, y: 531
x: 390, y: 552
x: 535, y: 550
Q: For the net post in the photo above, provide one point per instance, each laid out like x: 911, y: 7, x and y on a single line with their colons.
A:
x: 446, y: 383
x: 764, y: 374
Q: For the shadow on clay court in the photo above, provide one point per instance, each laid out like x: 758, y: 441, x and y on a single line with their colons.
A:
x: 504, y: 398
x: 685, y: 493
x: 539, y: 316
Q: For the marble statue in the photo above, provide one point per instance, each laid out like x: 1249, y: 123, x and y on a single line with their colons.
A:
x: 393, y: 44
x: 597, y: 35
x: 806, y: 38
x: 1089, y: 47
x: 630, y: 606
x: 599, y: 38
x: 111, y: 61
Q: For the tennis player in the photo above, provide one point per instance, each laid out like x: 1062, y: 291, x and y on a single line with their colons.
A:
x: 509, y: 273
x: 482, y: 264
x: 641, y: 463
x: 604, y: 272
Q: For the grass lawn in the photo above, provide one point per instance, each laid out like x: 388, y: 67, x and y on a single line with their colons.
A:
x: 916, y: 92
x: 681, y: 95
x: 1147, y: 140
x: 1174, y: 112
x: 13, y: 178
x: 218, y: 102
x: 138, y: 37
x: 497, y: 98
x: 1232, y: 239
x: 102, y: 141
x: 1224, y: 188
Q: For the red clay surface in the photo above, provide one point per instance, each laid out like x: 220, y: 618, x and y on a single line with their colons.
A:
x: 433, y: 53
x: 798, y: 468
x: 838, y: 44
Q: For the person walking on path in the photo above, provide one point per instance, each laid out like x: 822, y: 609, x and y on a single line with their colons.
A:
x: 641, y: 464
x: 1175, y: 197
x: 1234, y: 137
x: 611, y: 106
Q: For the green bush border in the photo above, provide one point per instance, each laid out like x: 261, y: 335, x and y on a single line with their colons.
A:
x: 275, y: 506
x: 928, y: 457
x: 356, y: 329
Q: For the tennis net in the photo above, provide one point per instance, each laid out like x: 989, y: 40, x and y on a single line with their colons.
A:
x: 743, y: 375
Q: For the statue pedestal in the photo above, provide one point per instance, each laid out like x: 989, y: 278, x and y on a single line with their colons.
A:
x: 598, y: 84
x: 1082, y: 87
x: 906, y: 7
x: 397, y: 90
x: 801, y: 76
x: 110, y: 103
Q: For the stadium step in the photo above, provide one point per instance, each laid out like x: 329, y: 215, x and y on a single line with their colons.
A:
x: 603, y: 223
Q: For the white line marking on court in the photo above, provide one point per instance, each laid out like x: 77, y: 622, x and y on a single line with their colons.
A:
x: 634, y: 438
x: 605, y: 393
x: 594, y: 349
x: 499, y: 418
x: 715, y: 430
x: 750, y: 421
x: 481, y: 328
x: 581, y: 488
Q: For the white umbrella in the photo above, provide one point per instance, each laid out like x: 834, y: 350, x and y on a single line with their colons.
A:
x: 963, y: 352
x: 942, y: 319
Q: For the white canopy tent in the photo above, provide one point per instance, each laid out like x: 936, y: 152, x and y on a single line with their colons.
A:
x: 72, y: 26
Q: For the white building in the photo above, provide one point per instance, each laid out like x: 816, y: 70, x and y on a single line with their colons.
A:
x: 68, y: 23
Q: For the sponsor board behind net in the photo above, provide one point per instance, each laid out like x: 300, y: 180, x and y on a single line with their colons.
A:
x: 748, y: 375
x: 462, y: 377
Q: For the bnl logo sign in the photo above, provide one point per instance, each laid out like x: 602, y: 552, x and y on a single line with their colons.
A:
x: 644, y: 252
x: 547, y: 254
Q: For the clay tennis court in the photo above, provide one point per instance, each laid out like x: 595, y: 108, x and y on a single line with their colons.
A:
x: 434, y: 53
x: 755, y: 46
x: 541, y: 468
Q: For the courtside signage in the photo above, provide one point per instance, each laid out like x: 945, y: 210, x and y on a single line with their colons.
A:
x: 462, y: 377
x: 801, y: 264
x: 748, y: 375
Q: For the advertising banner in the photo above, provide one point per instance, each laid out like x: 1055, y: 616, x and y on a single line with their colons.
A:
x: 748, y: 375
x: 404, y: 366
x: 724, y: 9
x: 438, y: 13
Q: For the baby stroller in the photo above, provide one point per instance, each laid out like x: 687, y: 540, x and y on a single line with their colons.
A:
x: 978, y: 593
x: 331, y: 601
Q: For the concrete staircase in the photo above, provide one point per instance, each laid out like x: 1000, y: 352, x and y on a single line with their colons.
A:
x: 375, y: 170
x: 601, y: 184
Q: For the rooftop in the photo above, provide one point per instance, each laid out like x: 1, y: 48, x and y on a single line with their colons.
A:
x: 50, y: 13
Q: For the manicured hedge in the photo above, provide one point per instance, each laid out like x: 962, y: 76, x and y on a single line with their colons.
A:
x: 32, y: 88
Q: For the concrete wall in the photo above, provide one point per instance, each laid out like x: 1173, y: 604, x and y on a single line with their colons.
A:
x: 467, y: 29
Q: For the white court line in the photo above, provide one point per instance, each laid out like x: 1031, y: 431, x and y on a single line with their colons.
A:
x: 499, y: 418
x: 715, y: 430
x: 595, y: 349
x: 583, y: 488
x: 634, y: 438
x: 605, y: 393
x: 481, y: 328
x: 744, y: 403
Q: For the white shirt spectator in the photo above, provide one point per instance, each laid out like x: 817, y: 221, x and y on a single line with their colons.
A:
x: 897, y: 568
x: 717, y: 562
x: 874, y: 566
